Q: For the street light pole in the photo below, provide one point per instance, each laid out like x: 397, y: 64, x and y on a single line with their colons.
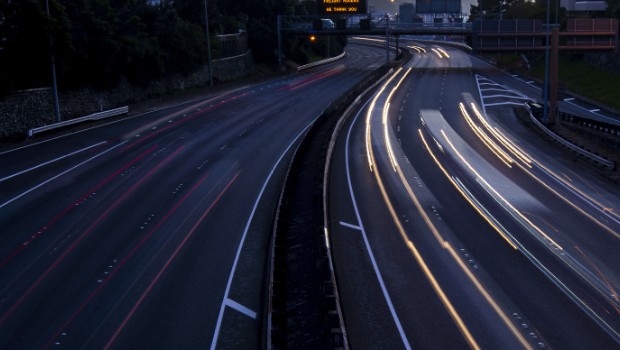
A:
x: 54, y: 84
x: 208, y: 44
x: 387, y: 37
x: 546, y: 85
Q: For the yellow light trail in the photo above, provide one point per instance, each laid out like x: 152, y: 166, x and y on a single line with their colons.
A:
x: 425, y: 269
x: 446, y: 245
x: 384, y: 120
x: 388, y: 143
x: 498, y: 195
x: 493, y: 147
x: 528, y: 160
x: 483, y: 213
x: 437, y: 52
x: 501, y: 138
x: 369, y: 115
x: 419, y: 49
x: 443, y: 52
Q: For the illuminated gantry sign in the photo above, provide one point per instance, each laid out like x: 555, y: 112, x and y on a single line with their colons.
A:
x: 334, y: 7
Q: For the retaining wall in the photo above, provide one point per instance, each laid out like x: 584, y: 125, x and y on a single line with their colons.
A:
x: 29, y: 109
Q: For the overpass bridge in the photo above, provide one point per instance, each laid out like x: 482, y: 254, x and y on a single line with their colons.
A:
x: 598, y: 34
x: 486, y: 36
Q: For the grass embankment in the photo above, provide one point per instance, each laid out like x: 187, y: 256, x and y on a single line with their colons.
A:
x: 584, y: 79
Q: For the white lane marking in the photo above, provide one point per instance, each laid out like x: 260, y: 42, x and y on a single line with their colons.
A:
x: 154, y: 110
x: 355, y: 227
x: 569, y: 99
x: 61, y: 174
x: 503, y: 103
x: 51, y: 161
x: 216, y: 333
x: 375, y: 267
x: 243, y: 309
x: 595, y: 113
x: 507, y: 96
x: 530, y: 82
x: 594, y: 110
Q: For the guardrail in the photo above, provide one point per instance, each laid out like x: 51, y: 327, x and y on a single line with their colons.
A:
x: 94, y: 116
x: 318, y: 63
x: 605, y: 128
x: 606, y: 162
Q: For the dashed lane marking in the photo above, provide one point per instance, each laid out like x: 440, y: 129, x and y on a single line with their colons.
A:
x: 355, y: 227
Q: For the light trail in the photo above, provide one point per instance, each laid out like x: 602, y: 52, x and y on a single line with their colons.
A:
x: 369, y: 115
x: 104, y: 215
x: 484, y: 213
x: 493, y: 147
x: 385, y: 121
x: 149, y: 288
x: 425, y: 269
x: 497, y: 194
x: 443, y: 243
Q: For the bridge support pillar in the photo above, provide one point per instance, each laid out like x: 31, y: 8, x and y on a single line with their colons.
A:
x: 397, y: 55
x: 554, y: 76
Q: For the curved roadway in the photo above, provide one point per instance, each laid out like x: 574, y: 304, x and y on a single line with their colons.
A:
x: 152, y: 232
x: 453, y: 225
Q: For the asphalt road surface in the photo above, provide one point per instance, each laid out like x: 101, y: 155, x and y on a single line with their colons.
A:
x: 152, y: 231
x: 453, y: 225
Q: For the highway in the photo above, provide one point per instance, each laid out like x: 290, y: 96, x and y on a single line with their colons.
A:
x: 454, y: 225
x: 152, y: 231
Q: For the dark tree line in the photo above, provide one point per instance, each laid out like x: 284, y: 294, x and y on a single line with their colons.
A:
x: 98, y: 43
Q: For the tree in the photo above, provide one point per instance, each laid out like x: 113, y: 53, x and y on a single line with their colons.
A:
x: 25, y: 32
x: 613, y: 8
x: 98, y: 43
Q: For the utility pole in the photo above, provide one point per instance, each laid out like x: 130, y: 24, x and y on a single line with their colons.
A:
x: 210, y: 63
x: 54, y: 84
x: 279, y: 25
x: 387, y: 37
x: 546, y: 85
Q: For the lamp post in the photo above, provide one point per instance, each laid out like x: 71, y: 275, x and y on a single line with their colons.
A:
x: 54, y: 85
x: 546, y: 84
x: 208, y: 44
x: 501, y: 10
x: 387, y: 37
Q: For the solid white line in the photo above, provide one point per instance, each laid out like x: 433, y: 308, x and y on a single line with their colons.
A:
x: 355, y: 227
x: 52, y: 161
x: 508, y: 96
x: 503, y: 103
x: 216, y: 333
x: 203, y: 98
x: 61, y: 174
x: 244, y: 310
x: 386, y: 295
x: 585, y: 109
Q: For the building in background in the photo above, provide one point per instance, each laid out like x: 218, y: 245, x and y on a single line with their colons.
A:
x: 439, y: 11
x: 584, y: 6
x: 406, y: 12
